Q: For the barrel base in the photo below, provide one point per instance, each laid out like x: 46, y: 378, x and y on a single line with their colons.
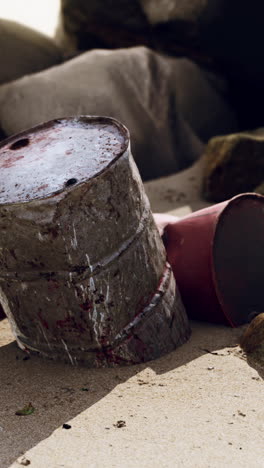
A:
x: 156, y: 331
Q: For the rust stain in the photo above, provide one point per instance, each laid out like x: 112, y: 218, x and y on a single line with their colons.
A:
x: 42, y: 187
x: 10, y: 161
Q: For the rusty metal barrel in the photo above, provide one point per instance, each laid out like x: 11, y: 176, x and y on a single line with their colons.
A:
x: 83, y: 271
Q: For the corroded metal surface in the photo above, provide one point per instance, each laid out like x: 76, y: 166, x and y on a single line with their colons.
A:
x: 83, y: 271
x: 57, y: 155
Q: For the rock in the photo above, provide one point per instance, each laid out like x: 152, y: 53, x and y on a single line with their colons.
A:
x: 101, y: 24
x: 24, y: 51
x: 252, y: 341
x: 222, y: 35
x: 213, y: 31
x: 202, y: 97
x: 233, y: 164
x: 170, y: 105
x: 135, y: 86
x: 260, y: 189
x: 253, y: 337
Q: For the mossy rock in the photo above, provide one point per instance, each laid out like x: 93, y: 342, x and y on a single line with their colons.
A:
x: 260, y: 189
x: 233, y: 164
x: 252, y: 341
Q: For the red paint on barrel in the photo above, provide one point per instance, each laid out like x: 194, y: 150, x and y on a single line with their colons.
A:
x: 42, y: 187
x: 87, y: 305
x: 70, y: 324
x: 53, y: 285
x: 43, y: 321
x: 11, y: 161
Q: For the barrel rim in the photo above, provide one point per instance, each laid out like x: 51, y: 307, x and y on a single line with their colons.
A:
x: 48, y: 124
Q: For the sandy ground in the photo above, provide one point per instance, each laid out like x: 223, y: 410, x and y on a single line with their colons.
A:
x: 200, y: 406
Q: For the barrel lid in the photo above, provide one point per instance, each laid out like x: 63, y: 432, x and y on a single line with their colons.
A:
x: 54, y: 156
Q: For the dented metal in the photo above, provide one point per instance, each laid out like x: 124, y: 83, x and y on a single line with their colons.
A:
x: 83, y: 270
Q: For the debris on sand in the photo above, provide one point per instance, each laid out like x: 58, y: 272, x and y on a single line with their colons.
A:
x: 26, y: 411
x: 120, y: 424
x: 66, y: 426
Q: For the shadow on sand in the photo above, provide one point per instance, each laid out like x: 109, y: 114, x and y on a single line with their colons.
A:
x: 60, y: 392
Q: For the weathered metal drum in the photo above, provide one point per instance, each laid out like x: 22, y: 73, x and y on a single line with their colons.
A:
x: 83, y: 270
x: 217, y: 255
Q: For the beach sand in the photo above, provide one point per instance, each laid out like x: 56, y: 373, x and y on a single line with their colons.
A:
x: 201, y: 406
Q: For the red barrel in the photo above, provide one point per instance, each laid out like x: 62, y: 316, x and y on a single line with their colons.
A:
x: 217, y: 255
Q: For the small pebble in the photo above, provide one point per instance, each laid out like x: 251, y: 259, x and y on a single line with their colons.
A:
x: 120, y: 424
x: 24, y: 461
x: 66, y: 426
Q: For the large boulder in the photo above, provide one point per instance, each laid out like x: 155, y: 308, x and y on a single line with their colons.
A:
x: 101, y: 24
x: 202, y: 98
x: 24, y: 51
x: 223, y: 35
x: 224, y: 32
x: 233, y: 164
x: 169, y: 105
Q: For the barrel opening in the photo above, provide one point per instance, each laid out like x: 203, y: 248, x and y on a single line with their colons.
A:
x: 20, y: 144
x: 238, y: 256
x: 71, y: 182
